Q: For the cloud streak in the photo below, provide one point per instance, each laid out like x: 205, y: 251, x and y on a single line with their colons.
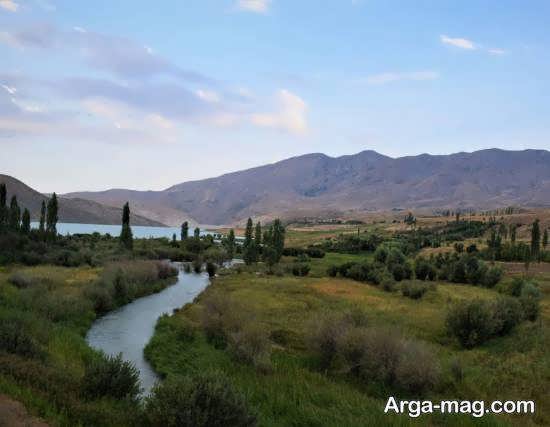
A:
x: 9, y: 5
x: 466, y: 44
x: 256, y: 6
x: 390, y: 77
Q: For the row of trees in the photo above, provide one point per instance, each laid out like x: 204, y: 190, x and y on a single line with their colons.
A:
x: 11, y: 218
x: 267, y: 246
x: 502, y: 244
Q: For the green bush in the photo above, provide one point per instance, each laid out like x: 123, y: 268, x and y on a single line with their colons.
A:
x: 211, y: 269
x: 417, y: 370
x: 300, y: 269
x: 332, y: 271
x: 250, y: 344
x: 413, y: 290
x: 202, y: 401
x: 471, y: 322
x: 530, y: 301
x: 507, y: 314
x: 492, y: 277
x: 111, y: 376
x: 15, y: 339
x: 21, y: 280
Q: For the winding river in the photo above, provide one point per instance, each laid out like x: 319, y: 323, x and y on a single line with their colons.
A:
x: 128, y: 329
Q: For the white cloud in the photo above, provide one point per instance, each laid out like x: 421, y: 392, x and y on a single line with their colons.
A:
x: 458, y: 42
x: 10, y: 89
x: 379, y: 79
x: 497, y: 51
x: 9, y: 5
x: 257, y: 6
x: 208, y: 96
x: 290, y: 117
x: 79, y: 29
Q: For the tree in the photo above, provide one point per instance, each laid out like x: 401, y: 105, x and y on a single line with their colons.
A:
x: 248, y: 244
x: 184, y: 230
x: 126, y: 237
x: 197, y: 233
x: 535, y: 239
x: 42, y: 225
x: 545, y: 239
x: 513, y: 233
x: 26, y: 222
x: 14, y: 215
x: 274, y: 243
x: 3, y: 207
x: 230, y: 244
x: 51, y: 216
x: 258, y: 234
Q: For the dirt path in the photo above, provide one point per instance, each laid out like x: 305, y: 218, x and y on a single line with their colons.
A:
x: 14, y: 414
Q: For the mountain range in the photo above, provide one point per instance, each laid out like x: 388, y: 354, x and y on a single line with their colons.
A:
x: 319, y: 185
x: 70, y: 210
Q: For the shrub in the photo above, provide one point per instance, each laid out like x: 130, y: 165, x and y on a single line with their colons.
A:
x: 197, y: 266
x: 166, y: 270
x: 300, y: 269
x: 101, y: 298
x: 325, y: 332
x: 250, y: 344
x: 530, y: 301
x: 21, y: 280
x: 187, y: 267
x: 492, y: 277
x: 424, y: 270
x: 381, y: 254
x: 413, y: 290
x: 211, y: 269
x: 471, y: 322
x: 202, y: 401
x: 383, y: 349
x: 15, y: 339
x: 417, y: 370
x: 507, y: 313
x: 215, y: 308
x: 332, y: 271
x: 111, y: 376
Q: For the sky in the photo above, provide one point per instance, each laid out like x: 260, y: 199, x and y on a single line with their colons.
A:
x: 144, y: 95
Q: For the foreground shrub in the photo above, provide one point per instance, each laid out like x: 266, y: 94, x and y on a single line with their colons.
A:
x: 300, y: 269
x: 250, y: 344
x: 471, y: 322
x: 15, y: 339
x: 332, y: 271
x: 507, y: 314
x: 417, y: 370
x: 530, y: 301
x: 111, y: 376
x: 413, y: 290
x: 21, y: 280
x: 211, y: 269
x: 203, y: 401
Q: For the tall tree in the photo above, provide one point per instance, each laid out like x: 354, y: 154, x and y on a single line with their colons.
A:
x: 51, y: 216
x: 545, y: 239
x: 248, y: 244
x: 15, y: 214
x: 184, y: 230
x: 258, y: 234
x: 278, y: 238
x: 26, y: 222
x: 513, y: 233
x: 126, y: 236
x: 535, y: 239
x: 42, y: 225
x: 3, y: 206
x: 197, y: 233
x: 230, y: 244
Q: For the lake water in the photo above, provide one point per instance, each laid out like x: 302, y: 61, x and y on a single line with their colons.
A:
x: 128, y: 329
x: 139, y: 231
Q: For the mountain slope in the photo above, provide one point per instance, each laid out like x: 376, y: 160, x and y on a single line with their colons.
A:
x: 322, y: 185
x: 70, y: 210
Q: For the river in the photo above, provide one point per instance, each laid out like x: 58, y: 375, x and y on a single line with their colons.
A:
x: 128, y: 329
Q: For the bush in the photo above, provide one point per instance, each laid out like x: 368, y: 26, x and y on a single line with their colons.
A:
x: 215, y: 309
x: 211, y: 269
x: 424, y: 270
x: 202, y: 401
x: 492, y: 277
x: 15, y: 339
x: 332, y: 271
x: 111, y: 376
x: 417, y: 370
x: 413, y: 290
x: 197, y: 266
x: 471, y: 322
x: 507, y: 313
x: 530, y: 301
x: 187, y: 267
x: 300, y: 269
x: 166, y: 270
x: 101, y: 298
x: 250, y: 344
x: 325, y: 333
x: 21, y: 280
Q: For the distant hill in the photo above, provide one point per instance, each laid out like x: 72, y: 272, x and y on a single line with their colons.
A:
x: 367, y: 181
x: 70, y: 210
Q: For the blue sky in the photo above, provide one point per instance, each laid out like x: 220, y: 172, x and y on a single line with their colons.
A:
x: 141, y: 94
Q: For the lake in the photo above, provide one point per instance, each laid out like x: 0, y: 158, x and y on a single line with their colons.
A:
x: 139, y: 231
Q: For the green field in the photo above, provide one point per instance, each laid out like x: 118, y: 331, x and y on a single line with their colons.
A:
x: 514, y: 367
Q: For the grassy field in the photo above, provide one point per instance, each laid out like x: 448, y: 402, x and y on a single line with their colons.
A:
x: 294, y: 393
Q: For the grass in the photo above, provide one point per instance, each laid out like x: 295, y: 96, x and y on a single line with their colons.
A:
x: 54, y: 310
x: 513, y: 367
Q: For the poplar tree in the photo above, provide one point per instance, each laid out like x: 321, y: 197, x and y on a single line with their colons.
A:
x: 184, y: 230
x: 545, y: 239
x: 258, y: 234
x: 278, y: 239
x: 26, y: 222
x: 3, y: 206
x: 51, y: 216
x: 14, y: 214
x: 42, y: 225
x: 248, y: 250
x: 230, y: 244
x: 535, y: 239
x: 513, y: 233
x: 197, y: 233
x: 126, y: 237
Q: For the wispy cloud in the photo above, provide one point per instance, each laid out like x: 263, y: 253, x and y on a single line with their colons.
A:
x: 257, y: 6
x: 290, y: 115
x: 496, y: 51
x: 458, y: 42
x: 9, y: 5
x: 383, y: 78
